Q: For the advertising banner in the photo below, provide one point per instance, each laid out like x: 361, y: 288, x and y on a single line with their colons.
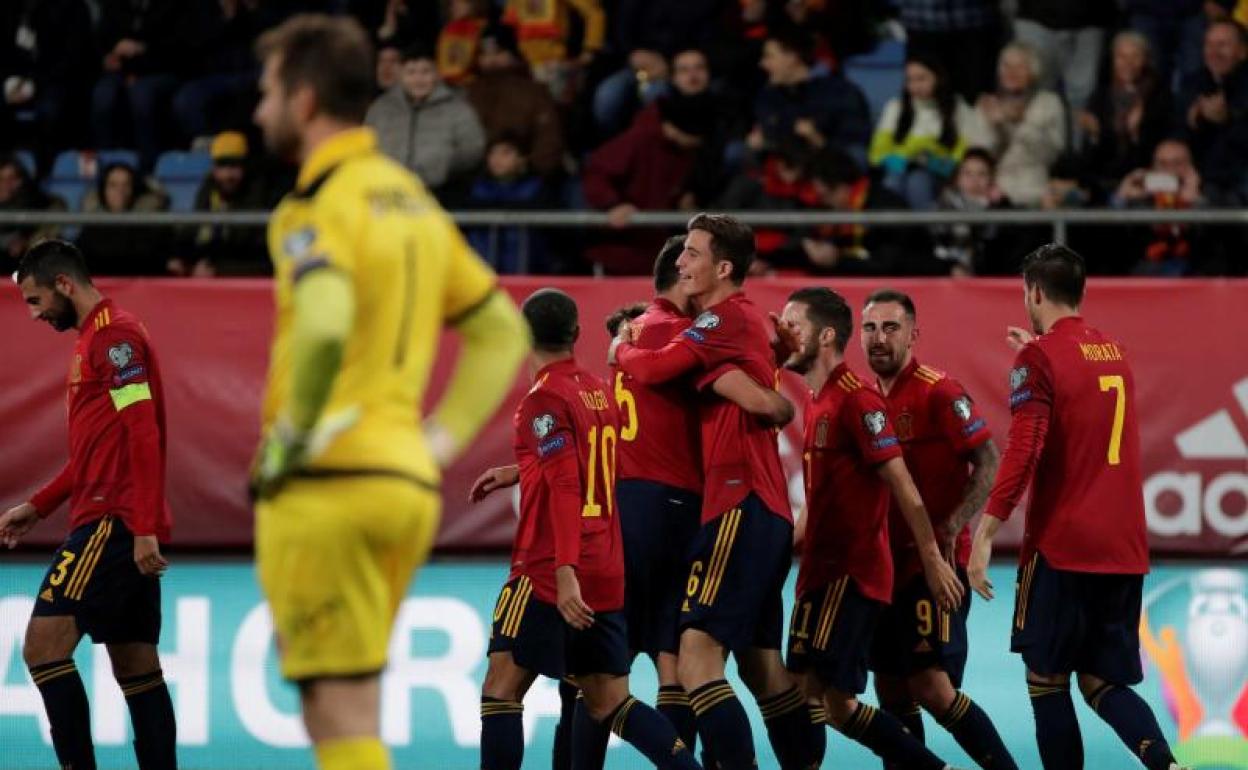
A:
x: 234, y: 713
x: 212, y: 337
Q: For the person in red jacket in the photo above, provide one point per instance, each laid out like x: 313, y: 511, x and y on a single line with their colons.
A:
x: 104, y: 579
x: 561, y: 612
x: 1075, y: 440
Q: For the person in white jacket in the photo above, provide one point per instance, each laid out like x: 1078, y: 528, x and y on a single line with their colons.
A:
x: 1028, y: 125
x: 923, y: 133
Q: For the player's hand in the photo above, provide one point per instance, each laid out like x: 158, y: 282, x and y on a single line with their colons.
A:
x: 571, y: 606
x: 977, y: 568
x: 147, y: 556
x: 1016, y: 337
x: 16, y: 522
x: 493, y: 480
x: 281, y: 451
x: 943, y: 582
x: 787, y: 341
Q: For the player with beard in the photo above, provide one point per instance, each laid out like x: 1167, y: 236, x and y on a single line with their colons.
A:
x: 852, y: 461
x: 919, y: 652
x: 741, y: 556
x: 103, y: 580
x: 1075, y: 440
x: 368, y: 271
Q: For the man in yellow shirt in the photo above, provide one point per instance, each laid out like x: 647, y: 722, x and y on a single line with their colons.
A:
x: 367, y: 272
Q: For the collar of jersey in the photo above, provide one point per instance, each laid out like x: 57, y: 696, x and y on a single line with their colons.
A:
x: 1070, y: 320
x: 333, y: 151
x: 95, y: 312
x: 561, y: 364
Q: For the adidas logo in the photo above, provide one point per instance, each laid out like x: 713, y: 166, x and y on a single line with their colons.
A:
x: 923, y: 646
x: 1213, y: 501
x: 46, y: 595
x: 799, y: 648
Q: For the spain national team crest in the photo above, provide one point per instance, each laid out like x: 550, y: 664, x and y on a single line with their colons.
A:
x: 1017, y: 377
x: 962, y: 408
x: 1194, y: 631
x: 821, y: 433
x: 543, y: 425
x: 874, y: 422
x: 905, y: 426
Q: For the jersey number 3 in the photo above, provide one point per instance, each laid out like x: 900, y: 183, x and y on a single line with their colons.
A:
x: 1115, y: 383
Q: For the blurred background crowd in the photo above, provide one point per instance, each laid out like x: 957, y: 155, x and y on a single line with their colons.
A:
x: 631, y: 105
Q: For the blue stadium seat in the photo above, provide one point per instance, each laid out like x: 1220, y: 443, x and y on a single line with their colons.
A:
x: 27, y: 159
x: 182, y: 166
x: 71, y: 190
x: 73, y: 164
x: 181, y: 193
x: 888, y: 53
x: 877, y: 83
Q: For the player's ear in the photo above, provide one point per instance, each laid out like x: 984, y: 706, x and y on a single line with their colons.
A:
x: 303, y: 103
x: 827, y: 337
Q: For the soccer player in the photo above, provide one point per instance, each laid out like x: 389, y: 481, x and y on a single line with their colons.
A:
x: 104, y: 579
x: 919, y: 652
x: 852, y: 461
x: 1075, y: 441
x: 367, y: 271
x: 741, y: 555
x: 561, y: 611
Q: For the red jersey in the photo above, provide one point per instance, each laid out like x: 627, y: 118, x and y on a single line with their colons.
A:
x: 740, y: 454
x: 1074, y: 438
x: 117, y: 435
x: 566, y: 432
x: 658, y: 423
x: 847, y: 435
x: 939, y: 426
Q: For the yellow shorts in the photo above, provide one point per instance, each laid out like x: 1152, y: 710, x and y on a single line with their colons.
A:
x: 335, y: 557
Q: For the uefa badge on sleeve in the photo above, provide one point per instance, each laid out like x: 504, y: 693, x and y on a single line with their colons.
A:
x: 874, y: 422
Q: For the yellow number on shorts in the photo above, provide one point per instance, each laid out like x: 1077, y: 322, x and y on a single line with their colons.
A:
x: 695, y: 579
x: 67, y: 558
x: 801, y: 631
x: 924, y: 611
x: 605, y: 458
x: 628, y: 405
x: 1115, y: 383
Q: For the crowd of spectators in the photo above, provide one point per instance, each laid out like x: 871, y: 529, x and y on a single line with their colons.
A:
x: 632, y: 105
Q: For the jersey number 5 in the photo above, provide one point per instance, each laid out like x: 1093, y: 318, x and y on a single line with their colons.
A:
x: 1115, y: 383
x: 628, y: 405
x: 606, y: 458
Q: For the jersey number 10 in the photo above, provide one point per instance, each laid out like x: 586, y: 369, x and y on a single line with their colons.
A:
x: 604, y: 457
x: 1115, y: 383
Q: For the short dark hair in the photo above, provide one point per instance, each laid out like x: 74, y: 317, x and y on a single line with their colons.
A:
x: 893, y: 295
x: 834, y: 167
x: 666, y: 274
x: 825, y: 308
x: 418, y: 52
x: 552, y: 318
x: 47, y: 259
x: 622, y: 314
x: 731, y: 239
x: 982, y: 155
x: 330, y: 54
x: 795, y: 40
x: 1233, y: 24
x: 1059, y: 271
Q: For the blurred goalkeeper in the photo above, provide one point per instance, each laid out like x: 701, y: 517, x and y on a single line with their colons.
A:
x: 368, y: 270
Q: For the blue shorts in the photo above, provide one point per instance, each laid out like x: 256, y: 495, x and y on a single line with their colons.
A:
x: 539, y: 640
x: 1078, y: 621
x: 830, y: 635
x: 737, y: 571
x: 93, y: 578
x: 659, y: 524
x: 915, y: 634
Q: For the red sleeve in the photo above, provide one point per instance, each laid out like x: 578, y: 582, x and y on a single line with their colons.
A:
x: 605, y: 171
x: 866, y: 419
x: 1031, y: 401
x: 55, y: 492
x: 546, y: 429
x: 651, y: 367
x: 958, y: 417
x: 122, y: 353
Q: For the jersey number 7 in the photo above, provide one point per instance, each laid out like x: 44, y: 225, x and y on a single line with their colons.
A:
x: 1115, y: 383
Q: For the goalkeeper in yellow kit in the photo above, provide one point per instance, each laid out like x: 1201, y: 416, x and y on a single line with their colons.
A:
x: 368, y: 270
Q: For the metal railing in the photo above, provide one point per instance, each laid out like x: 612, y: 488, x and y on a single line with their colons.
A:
x: 1059, y: 220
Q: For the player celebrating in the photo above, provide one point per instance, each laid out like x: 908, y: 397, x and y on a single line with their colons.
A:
x: 1075, y: 441
x: 560, y: 613
x: 368, y: 269
x: 919, y: 652
x: 741, y: 555
x: 104, y: 578
x: 852, y: 461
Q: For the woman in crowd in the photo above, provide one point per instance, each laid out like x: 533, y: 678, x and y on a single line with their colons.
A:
x: 126, y: 249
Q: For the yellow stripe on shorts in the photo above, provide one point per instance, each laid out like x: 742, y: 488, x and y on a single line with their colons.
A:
x: 1024, y: 592
x: 90, y: 557
x: 831, y: 606
x: 724, y: 542
x: 515, y: 613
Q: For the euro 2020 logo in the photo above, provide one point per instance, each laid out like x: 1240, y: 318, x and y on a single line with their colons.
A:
x: 1194, y: 631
